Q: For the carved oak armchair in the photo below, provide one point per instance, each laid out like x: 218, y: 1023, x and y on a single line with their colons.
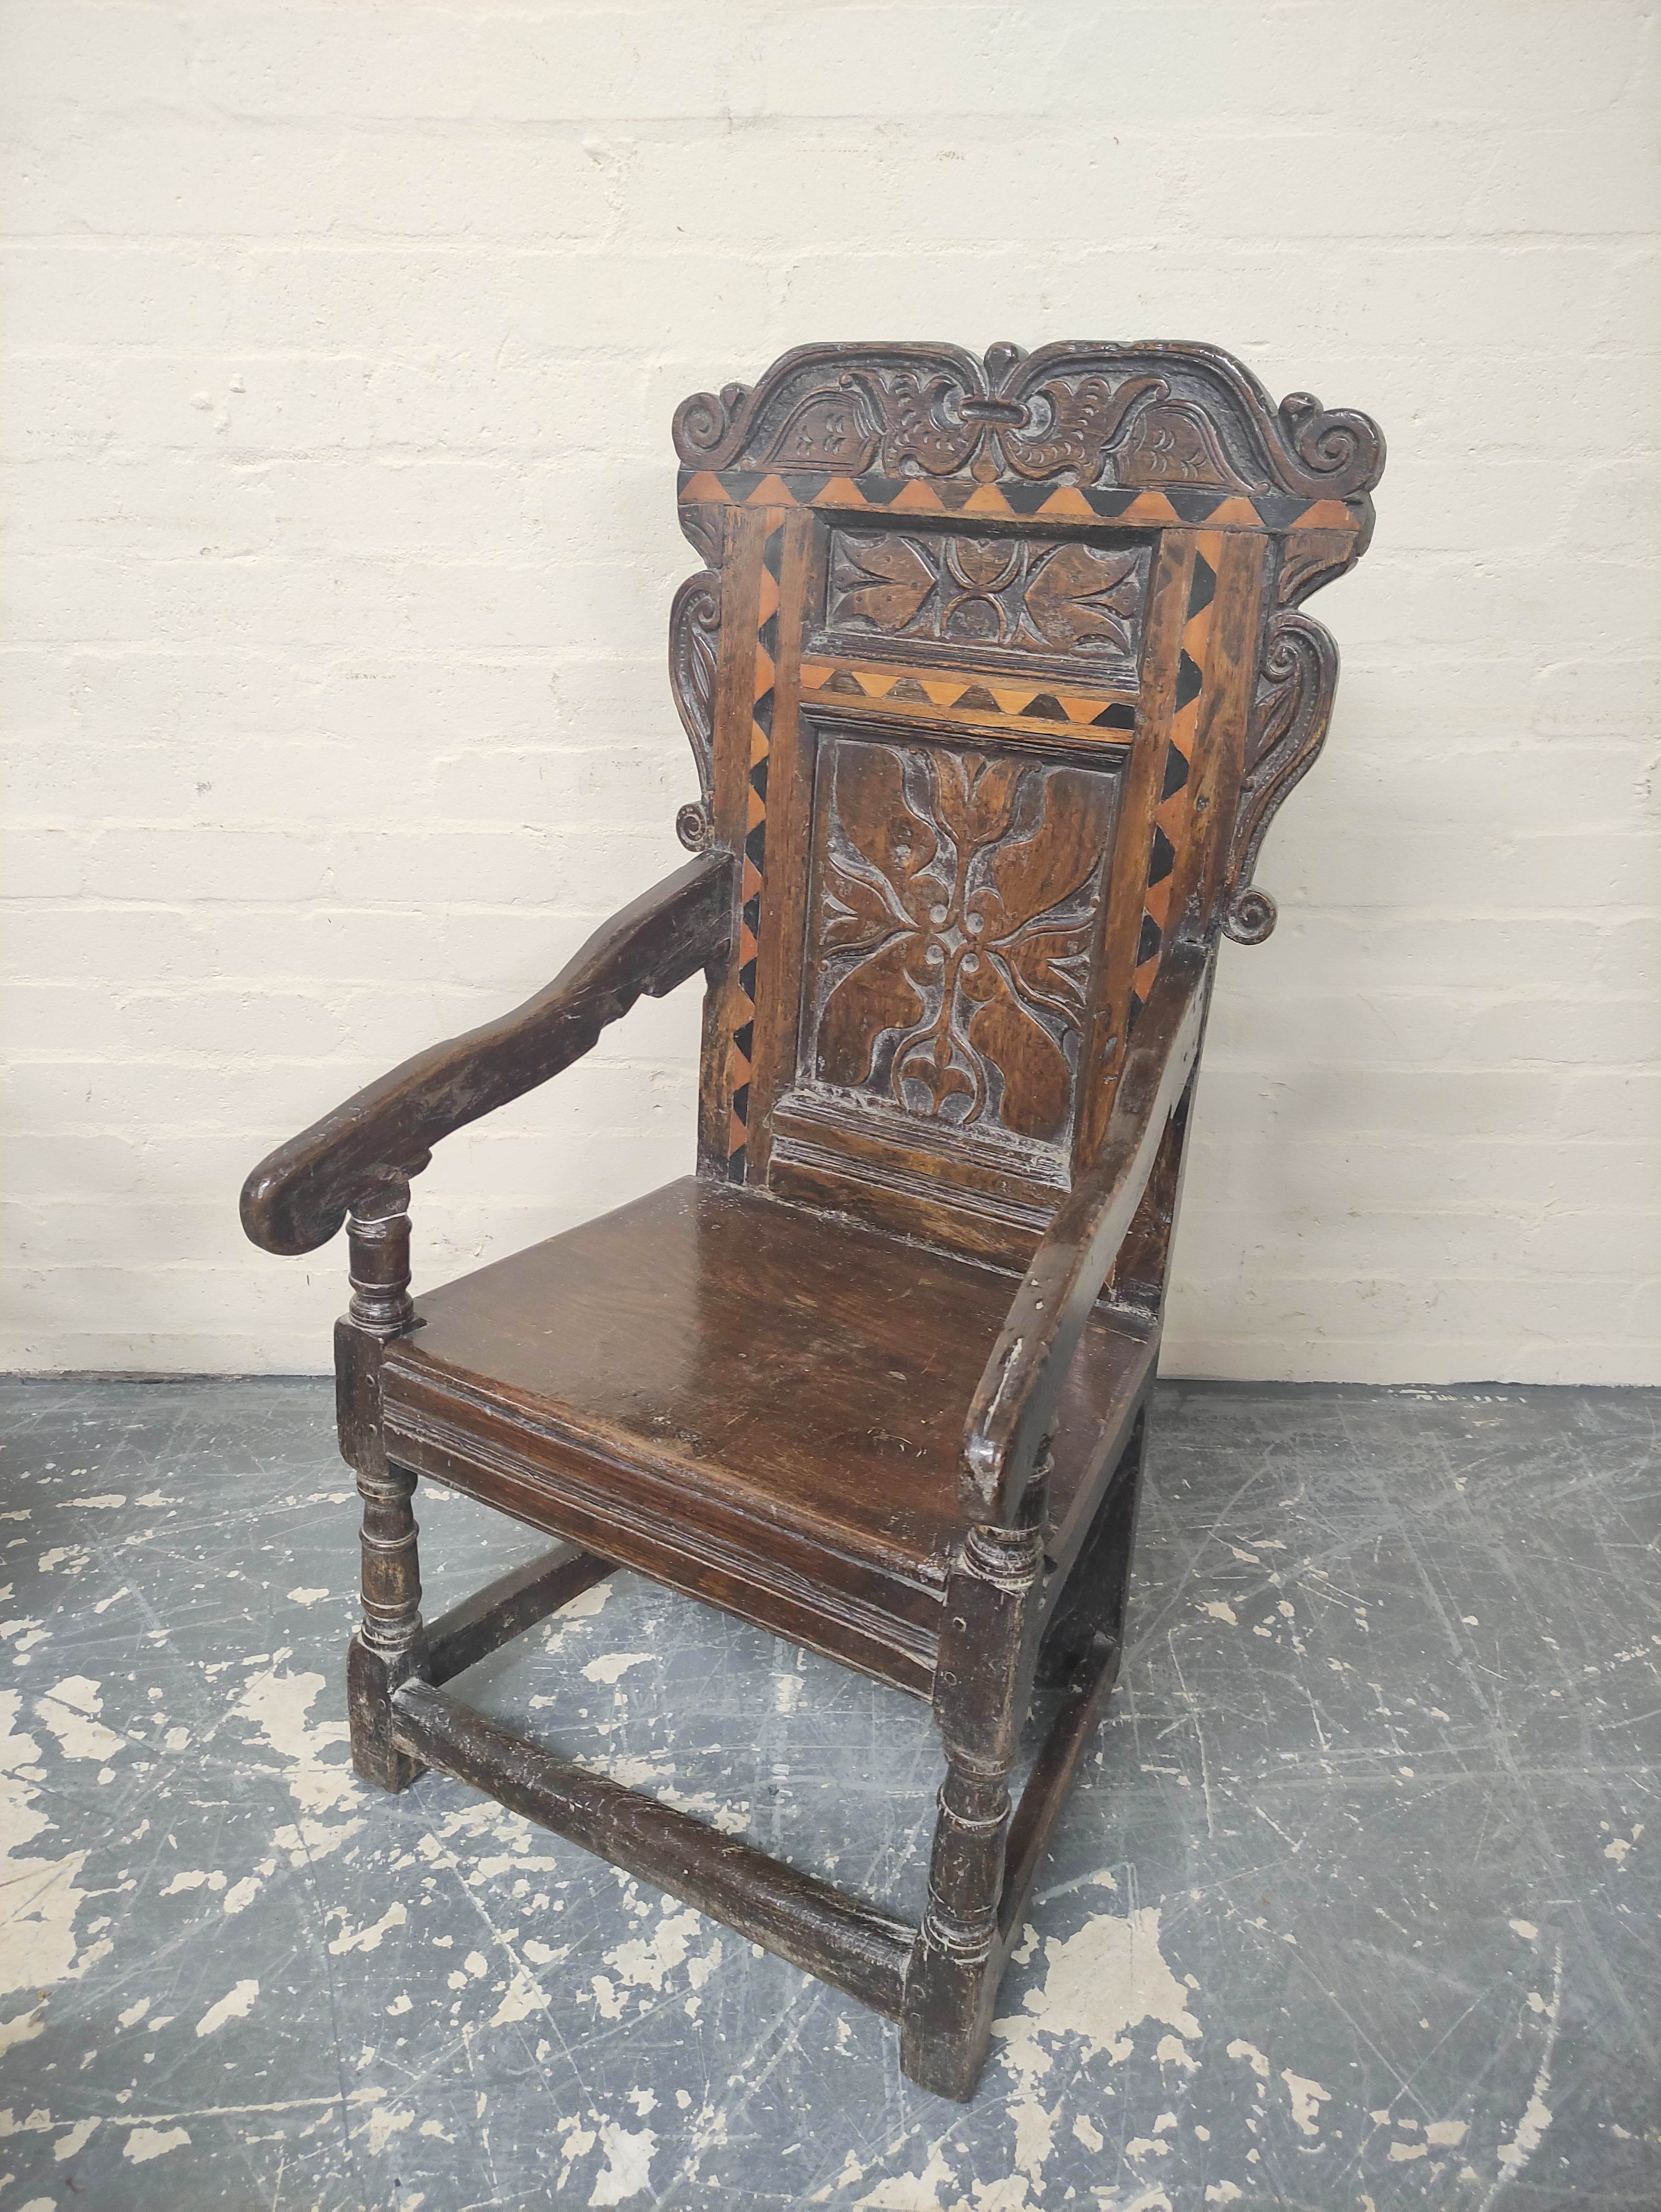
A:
x: 995, y: 677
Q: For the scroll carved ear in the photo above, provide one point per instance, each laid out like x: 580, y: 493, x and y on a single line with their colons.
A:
x: 1335, y: 445
x: 694, y: 652
x: 1297, y: 676
x: 705, y: 422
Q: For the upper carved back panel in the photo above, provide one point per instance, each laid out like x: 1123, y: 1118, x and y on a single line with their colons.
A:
x: 995, y: 678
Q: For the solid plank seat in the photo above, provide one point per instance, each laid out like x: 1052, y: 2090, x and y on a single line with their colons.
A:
x: 994, y: 679
x: 759, y: 1405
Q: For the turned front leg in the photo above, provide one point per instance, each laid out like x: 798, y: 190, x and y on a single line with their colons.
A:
x: 982, y: 1684
x: 391, y: 1644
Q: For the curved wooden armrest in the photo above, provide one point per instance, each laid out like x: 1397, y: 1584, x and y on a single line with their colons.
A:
x: 298, y: 1197
x: 1013, y: 1410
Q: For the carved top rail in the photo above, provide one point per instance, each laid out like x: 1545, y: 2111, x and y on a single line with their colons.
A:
x: 1086, y: 433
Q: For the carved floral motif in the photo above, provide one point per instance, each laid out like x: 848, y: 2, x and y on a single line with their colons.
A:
x: 1133, y: 431
x: 1011, y: 594
x: 1136, y: 417
x: 956, y: 896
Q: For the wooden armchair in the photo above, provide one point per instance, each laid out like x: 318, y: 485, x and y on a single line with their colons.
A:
x: 995, y: 678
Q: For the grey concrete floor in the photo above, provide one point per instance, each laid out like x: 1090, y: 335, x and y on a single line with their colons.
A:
x: 1355, y: 1905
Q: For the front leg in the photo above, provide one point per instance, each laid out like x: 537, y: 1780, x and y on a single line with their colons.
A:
x: 391, y: 1645
x: 982, y: 1685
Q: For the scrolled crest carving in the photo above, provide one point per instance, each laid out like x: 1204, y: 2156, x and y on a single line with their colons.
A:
x: 694, y: 655
x: 1331, y: 443
x: 1137, y: 417
x: 1297, y: 676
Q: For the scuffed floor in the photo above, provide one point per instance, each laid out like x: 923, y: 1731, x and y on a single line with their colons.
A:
x: 1355, y: 1905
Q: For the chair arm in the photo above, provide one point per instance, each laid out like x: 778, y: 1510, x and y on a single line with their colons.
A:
x: 298, y: 1197
x: 1013, y: 1411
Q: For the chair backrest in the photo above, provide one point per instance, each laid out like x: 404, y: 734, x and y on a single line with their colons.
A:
x: 994, y: 679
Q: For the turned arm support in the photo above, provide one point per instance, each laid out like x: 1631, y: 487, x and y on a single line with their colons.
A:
x: 1013, y: 1411
x: 298, y: 1197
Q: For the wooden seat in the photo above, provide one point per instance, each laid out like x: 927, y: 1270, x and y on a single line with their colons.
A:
x: 776, y: 1397
x: 994, y: 679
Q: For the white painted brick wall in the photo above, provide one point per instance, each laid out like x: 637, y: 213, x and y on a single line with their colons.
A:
x: 343, y: 344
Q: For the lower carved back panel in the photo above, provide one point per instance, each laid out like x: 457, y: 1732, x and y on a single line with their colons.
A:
x: 954, y: 926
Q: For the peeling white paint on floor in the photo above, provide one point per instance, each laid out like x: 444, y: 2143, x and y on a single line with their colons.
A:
x: 628, y: 2169
x: 70, y: 1709
x: 1307, y: 2098
x: 367, y: 1939
x: 38, y: 1897
x: 276, y: 1704
x: 146, y: 2143
x: 615, y: 1665
x: 1514, y: 2155
x: 235, y: 2005
x: 1109, y: 1977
